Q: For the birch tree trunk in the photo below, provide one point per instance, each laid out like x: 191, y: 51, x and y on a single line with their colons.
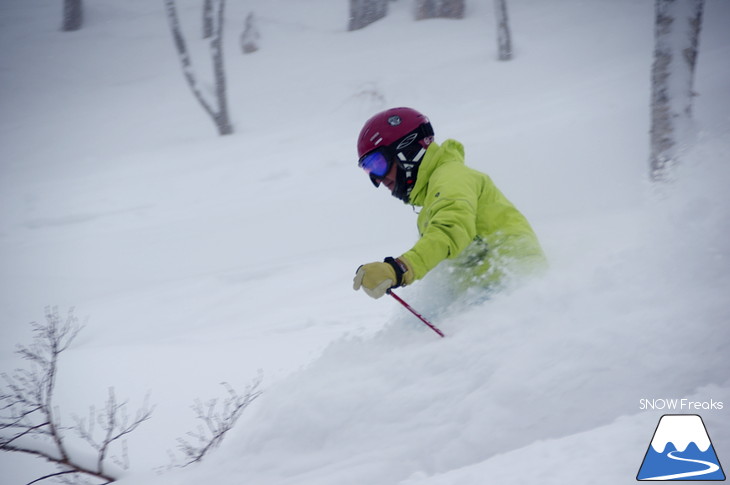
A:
x: 504, y: 37
x: 73, y: 15
x: 365, y: 12
x: 208, y: 19
x: 218, y: 108
x: 676, y: 40
x: 429, y: 9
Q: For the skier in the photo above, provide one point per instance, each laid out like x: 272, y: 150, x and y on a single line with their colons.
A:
x: 464, y: 217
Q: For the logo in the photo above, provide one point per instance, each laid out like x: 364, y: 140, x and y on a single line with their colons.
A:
x: 394, y: 120
x: 680, y: 404
x: 407, y: 141
x: 680, y: 450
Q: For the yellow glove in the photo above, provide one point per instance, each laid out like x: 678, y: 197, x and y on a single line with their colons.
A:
x: 377, y: 278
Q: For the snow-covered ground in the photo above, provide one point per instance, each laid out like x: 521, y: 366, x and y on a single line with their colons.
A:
x: 196, y: 259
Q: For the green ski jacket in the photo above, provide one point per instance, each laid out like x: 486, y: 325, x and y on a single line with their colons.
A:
x: 465, y: 217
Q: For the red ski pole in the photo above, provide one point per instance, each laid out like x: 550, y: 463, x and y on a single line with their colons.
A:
x: 420, y: 317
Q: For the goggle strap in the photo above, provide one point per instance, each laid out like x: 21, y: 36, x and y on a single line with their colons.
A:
x: 419, y: 155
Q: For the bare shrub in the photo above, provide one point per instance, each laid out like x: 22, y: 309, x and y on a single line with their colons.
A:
x: 30, y: 420
x: 216, y: 418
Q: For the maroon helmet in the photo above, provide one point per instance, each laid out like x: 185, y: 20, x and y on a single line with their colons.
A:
x: 387, y: 127
x: 402, y: 135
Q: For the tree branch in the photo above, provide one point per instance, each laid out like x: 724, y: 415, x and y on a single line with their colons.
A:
x: 217, y: 422
x: 52, y: 475
x: 27, y: 408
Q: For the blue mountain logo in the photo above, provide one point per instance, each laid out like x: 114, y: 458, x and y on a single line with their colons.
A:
x: 681, y: 450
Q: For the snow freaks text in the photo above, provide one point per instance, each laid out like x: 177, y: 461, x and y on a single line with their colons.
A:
x: 679, y: 404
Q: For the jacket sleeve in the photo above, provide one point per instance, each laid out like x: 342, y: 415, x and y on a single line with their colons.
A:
x: 449, y: 220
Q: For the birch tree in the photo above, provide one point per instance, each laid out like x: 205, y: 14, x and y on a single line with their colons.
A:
x: 208, y: 19
x: 365, y: 12
x: 676, y: 41
x: 429, y: 9
x: 73, y: 15
x: 504, y: 36
x: 217, y: 108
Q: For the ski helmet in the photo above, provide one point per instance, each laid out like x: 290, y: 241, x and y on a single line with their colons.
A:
x: 402, y: 135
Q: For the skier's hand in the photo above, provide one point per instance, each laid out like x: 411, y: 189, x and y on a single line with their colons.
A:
x: 374, y: 278
x: 377, y: 278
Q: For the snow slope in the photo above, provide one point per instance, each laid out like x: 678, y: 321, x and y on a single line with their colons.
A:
x: 200, y: 259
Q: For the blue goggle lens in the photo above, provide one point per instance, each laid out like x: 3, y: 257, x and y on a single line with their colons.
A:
x: 375, y: 163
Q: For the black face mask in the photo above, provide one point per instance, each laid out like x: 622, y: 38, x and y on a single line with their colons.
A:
x: 408, y: 158
x: 405, y: 179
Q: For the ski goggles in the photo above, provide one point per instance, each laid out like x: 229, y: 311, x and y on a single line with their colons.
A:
x: 377, y: 164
